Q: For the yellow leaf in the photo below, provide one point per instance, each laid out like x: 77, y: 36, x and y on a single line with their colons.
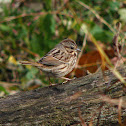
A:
x: 12, y: 60
x: 28, y: 66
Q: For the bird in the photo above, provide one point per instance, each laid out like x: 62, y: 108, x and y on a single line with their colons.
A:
x: 59, y: 61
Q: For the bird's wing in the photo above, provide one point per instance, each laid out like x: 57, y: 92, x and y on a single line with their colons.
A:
x: 55, y: 57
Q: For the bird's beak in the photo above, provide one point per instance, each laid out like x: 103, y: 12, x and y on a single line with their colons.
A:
x: 78, y: 50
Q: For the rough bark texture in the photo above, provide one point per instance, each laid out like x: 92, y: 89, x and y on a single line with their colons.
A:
x: 61, y: 104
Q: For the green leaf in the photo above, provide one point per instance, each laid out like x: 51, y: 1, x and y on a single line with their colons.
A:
x: 5, y: 28
x: 31, y: 74
x: 122, y: 13
x: 49, y: 25
x: 3, y: 89
x: 114, y: 5
x: 100, y: 34
x: 96, y: 29
x: 37, y: 44
x: 48, y: 4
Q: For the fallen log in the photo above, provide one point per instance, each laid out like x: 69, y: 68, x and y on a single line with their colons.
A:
x: 83, y: 100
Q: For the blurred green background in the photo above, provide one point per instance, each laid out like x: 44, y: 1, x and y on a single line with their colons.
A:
x: 30, y: 28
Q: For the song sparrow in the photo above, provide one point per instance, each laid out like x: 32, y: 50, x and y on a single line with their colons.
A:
x: 59, y: 61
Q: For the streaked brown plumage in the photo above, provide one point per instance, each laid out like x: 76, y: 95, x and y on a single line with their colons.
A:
x: 59, y: 61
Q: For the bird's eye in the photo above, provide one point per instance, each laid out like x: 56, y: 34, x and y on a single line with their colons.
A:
x: 72, y: 47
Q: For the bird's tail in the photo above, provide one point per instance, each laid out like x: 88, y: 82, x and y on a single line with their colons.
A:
x: 31, y: 63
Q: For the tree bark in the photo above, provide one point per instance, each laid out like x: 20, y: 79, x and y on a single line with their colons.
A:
x: 73, y: 103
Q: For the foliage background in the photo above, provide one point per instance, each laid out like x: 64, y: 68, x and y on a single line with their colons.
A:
x: 30, y: 28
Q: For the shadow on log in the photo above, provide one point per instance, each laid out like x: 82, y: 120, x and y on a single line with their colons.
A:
x: 67, y: 104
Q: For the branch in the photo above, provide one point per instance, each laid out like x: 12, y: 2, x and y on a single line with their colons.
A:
x: 62, y: 103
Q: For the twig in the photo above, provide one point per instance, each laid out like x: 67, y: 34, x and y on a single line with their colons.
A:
x: 81, y: 119
x: 29, y: 51
x: 117, y: 47
x: 82, y: 49
x: 36, y: 14
x: 24, y: 15
x: 80, y: 54
x: 119, y: 112
x: 113, y: 101
x: 99, y: 109
x: 117, y: 74
x: 88, y: 65
x: 97, y: 15
x: 110, y: 66
x: 7, y: 83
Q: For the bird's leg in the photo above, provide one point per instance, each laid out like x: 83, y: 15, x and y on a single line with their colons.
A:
x: 67, y: 79
x: 50, y: 83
